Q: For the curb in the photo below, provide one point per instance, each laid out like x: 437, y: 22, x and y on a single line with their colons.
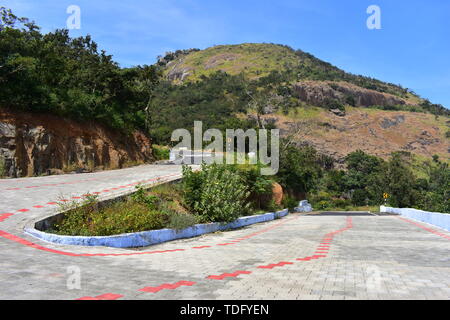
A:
x: 147, y: 238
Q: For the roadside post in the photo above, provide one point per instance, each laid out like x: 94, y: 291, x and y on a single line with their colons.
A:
x: 385, y: 196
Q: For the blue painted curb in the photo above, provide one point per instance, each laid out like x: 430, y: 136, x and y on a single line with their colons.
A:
x: 441, y: 220
x: 147, y: 238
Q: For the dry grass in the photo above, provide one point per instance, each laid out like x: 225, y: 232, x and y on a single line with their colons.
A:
x: 255, y: 59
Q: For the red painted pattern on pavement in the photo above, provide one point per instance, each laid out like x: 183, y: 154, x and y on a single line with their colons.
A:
x: 273, y: 265
x: 167, y: 286
x: 106, y: 296
x: 32, y: 245
x: 228, y: 275
x: 324, y: 247
x: 4, y: 216
x: 438, y: 233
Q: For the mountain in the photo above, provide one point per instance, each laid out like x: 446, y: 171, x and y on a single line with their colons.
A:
x: 258, y: 60
x: 311, y: 101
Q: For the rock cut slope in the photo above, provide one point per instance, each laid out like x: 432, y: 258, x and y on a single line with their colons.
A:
x: 37, y: 144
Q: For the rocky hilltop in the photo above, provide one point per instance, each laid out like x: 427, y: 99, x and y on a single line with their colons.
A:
x: 315, y: 103
x: 38, y: 144
x: 254, y: 59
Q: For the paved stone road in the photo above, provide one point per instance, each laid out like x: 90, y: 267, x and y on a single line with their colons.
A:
x: 297, y: 257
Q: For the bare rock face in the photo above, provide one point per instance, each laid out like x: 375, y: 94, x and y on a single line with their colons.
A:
x: 35, y: 144
x: 177, y: 71
x: 7, y: 148
x: 179, y: 74
x: 319, y: 92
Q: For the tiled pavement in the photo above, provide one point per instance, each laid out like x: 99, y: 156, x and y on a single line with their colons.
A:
x: 298, y: 257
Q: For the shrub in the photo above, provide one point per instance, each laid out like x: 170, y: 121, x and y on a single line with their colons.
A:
x: 216, y: 193
x: 320, y: 196
x: 333, y: 104
x: 341, y: 203
x: 259, y: 186
x: 350, y: 100
x: 299, y: 169
x: 140, y: 196
x: 191, y: 186
x: 161, y: 152
x: 322, y: 205
x: 76, y: 222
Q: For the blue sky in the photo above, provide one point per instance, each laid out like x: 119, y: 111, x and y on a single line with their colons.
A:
x: 412, y: 48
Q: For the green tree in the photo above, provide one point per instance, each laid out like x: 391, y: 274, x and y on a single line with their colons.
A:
x: 399, y: 181
x: 437, y: 196
x: 362, y: 178
x: 299, y: 169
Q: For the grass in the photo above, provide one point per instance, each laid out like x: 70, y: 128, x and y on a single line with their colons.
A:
x: 144, y: 210
x: 440, y: 122
x: 255, y: 59
x: 304, y: 113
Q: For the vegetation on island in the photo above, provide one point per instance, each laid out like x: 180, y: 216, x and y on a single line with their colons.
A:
x: 217, y: 193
